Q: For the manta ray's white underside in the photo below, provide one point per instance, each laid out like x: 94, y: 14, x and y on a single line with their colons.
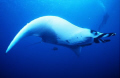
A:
x: 56, y: 30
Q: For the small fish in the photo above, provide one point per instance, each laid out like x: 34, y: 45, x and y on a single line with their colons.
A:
x: 55, y: 48
x: 67, y: 41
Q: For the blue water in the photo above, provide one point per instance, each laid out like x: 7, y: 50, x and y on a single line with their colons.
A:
x: 40, y: 61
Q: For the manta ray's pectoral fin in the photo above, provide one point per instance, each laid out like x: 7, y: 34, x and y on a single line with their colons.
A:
x: 76, y: 49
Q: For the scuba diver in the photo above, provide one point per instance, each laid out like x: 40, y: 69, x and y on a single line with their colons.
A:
x: 104, y: 21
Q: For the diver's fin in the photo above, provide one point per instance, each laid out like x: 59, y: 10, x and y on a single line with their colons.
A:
x: 76, y: 49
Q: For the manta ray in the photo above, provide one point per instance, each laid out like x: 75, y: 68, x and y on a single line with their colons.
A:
x: 58, y: 31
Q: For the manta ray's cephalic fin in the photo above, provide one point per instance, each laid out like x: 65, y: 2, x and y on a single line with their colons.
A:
x: 99, y: 40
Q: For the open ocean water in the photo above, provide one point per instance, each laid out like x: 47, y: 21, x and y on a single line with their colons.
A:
x: 29, y: 60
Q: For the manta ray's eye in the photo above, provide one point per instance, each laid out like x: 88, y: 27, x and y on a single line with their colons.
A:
x: 94, y: 32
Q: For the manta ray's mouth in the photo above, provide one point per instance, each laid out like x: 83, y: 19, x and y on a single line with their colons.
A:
x: 100, y: 39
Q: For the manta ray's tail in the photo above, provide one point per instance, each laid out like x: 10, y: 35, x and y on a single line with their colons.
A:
x: 99, y: 40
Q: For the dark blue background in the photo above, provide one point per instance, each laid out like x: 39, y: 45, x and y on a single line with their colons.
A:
x: 40, y: 61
